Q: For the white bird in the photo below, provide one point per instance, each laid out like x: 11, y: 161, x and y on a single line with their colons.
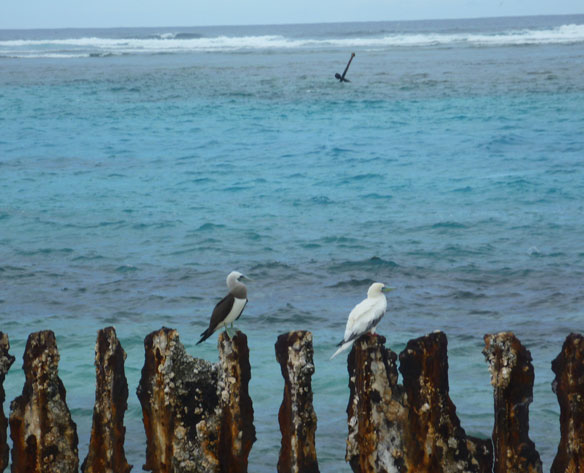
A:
x: 365, y: 316
x: 230, y: 307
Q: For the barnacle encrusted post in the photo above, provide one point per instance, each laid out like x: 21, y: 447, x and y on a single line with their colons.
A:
x: 376, y: 414
x: 44, y: 436
x: 178, y: 394
x: 433, y: 438
x: 197, y: 415
x: 297, y: 417
x: 512, y: 378
x: 106, y: 446
x: 411, y: 428
x: 236, y: 431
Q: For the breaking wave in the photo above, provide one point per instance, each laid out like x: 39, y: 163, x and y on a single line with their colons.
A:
x: 175, y: 43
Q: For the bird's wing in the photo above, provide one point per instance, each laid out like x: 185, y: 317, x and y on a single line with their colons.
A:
x: 221, y: 310
x: 363, y: 316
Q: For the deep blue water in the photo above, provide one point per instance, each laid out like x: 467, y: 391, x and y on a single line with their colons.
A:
x: 139, y: 166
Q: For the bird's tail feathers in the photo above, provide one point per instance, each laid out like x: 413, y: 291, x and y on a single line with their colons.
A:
x: 206, y: 334
x: 343, y: 346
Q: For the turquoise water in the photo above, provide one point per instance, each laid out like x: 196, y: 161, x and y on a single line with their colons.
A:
x: 139, y: 166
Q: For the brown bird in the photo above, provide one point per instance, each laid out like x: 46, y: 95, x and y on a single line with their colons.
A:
x: 228, y: 309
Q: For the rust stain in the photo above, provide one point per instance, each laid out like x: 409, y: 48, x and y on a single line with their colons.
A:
x: 106, y: 445
x: 294, y: 353
x: 43, y: 434
x: 569, y: 387
x: 512, y: 378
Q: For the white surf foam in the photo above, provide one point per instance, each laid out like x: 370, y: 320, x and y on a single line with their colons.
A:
x: 169, y: 43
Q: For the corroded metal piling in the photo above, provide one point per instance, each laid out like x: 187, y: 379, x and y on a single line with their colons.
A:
x: 43, y: 434
x: 297, y: 418
x: 177, y: 393
x: 512, y: 378
x: 376, y: 414
x: 6, y: 361
x: 106, y: 447
x: 237, y: 432
x: 409, y: 428
x: 434, y: 440
x: 569, y: 387
x: 198, y: 415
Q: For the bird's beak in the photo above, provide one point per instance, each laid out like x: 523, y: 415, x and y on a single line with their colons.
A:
x: 388, y: 289
x: 246, y: 278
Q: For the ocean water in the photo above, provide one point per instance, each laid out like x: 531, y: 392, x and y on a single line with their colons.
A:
x: 139, y: 166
